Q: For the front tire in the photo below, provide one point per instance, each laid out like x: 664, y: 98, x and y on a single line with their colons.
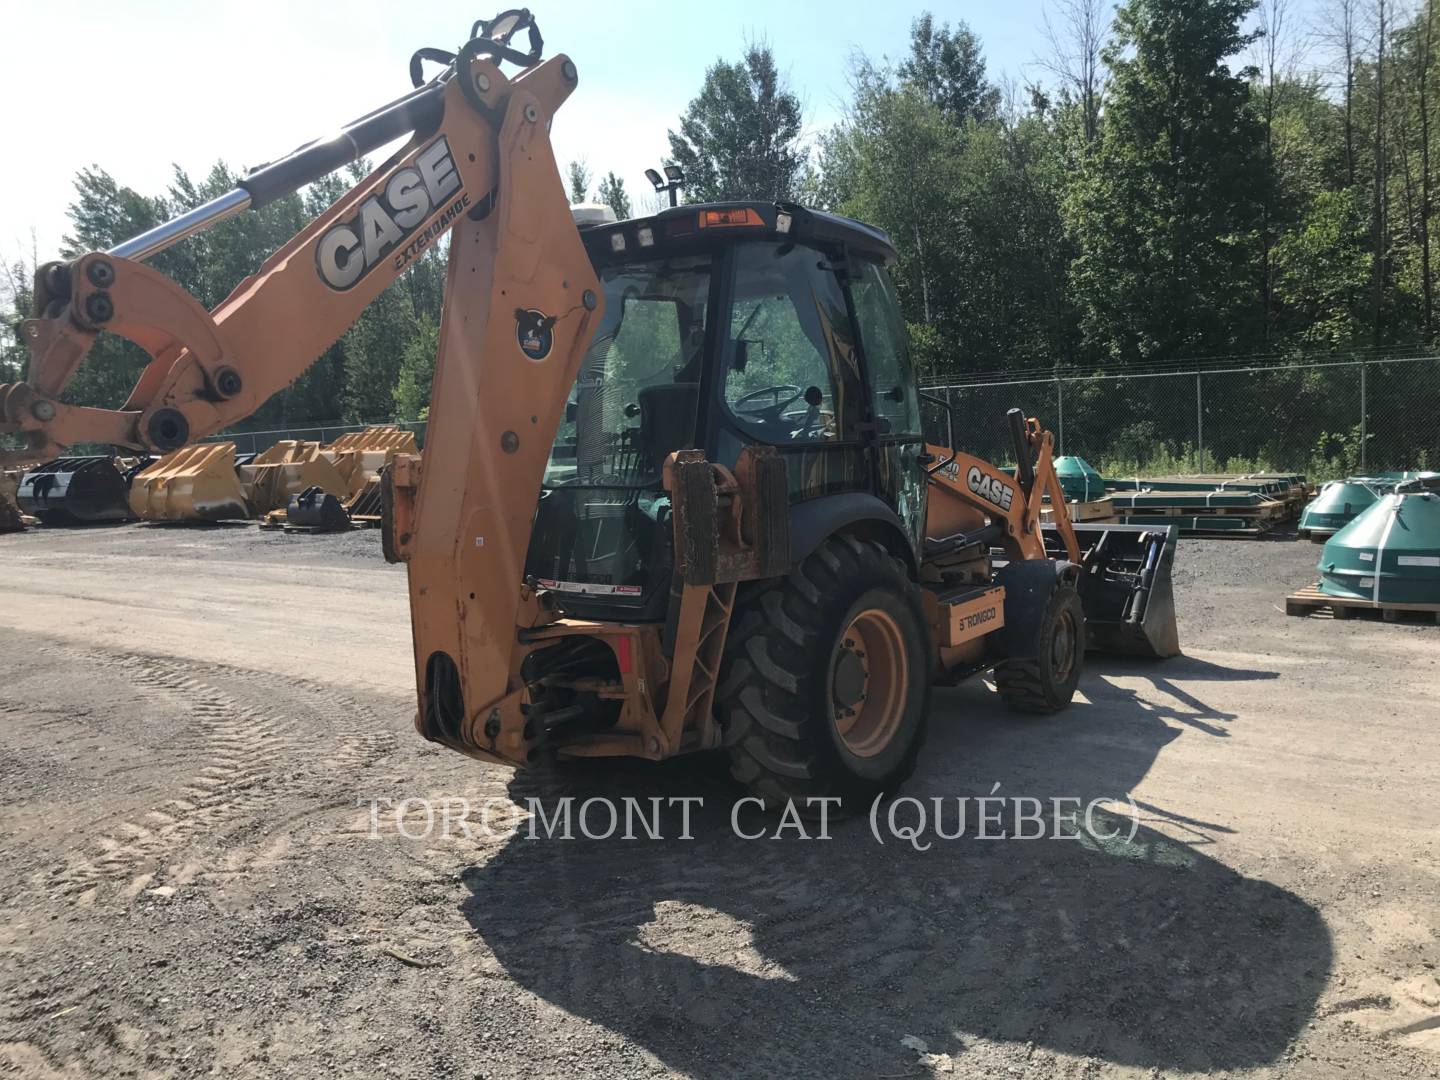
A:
x: 1045, y: 683
x: 827, y: 679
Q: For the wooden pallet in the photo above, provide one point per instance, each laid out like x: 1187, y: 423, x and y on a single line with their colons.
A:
x: 1100, y: 510
x: 1311, y: 601
x: 1214, y: 527
x: 1264, y: 511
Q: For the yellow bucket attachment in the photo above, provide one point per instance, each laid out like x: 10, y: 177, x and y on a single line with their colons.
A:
x: 284, y: 471
x: 360, y: 455
x: 10, y: 519
x: 197, y: 483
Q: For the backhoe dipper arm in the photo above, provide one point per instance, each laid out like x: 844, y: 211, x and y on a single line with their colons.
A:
x: 522, y: 301
x: 211, y: 369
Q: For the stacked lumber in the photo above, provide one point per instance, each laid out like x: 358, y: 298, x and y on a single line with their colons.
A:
x: 1210, y: 505
x: 1097, y: 510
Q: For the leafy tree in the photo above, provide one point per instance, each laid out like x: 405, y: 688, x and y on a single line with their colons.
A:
x: 893, y: 163
x: 417, y: 369
x: 374, y: 347
x: 1166, y: 213
x: 578, y: 174
x: 103, y: 214
x: 16, y: 300
x: 948, y: 68
x: 974, y: 212
x: 740, y: 138
x: 612, y: 194
x: 1322, y: 272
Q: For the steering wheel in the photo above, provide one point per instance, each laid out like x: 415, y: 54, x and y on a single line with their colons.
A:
x: 749, y: 406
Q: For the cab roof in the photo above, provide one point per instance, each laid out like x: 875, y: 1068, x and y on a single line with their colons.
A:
x: 733, y: 221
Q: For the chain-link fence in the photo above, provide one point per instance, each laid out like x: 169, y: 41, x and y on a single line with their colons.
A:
x: 1322, y: 419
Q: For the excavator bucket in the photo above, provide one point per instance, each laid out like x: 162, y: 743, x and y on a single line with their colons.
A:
x: 1126, y: 588
x: 75, y: 491
x: 198, y: 483
x: 284, y: 471
x: 11, y: 520
x: 359, y: 456
x: 315, y: 508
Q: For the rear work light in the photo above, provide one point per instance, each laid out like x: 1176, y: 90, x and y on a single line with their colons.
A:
x: 730, y: 219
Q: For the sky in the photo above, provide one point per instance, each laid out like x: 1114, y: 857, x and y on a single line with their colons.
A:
x: 138, y: 85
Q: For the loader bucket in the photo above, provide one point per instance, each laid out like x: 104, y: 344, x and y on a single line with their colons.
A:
x: 10, y: 518
x: 75, y: 491
x: 358, y: 456
x: 197, y: 483
x: 315, y: 508
x: 1126, y: 588
x: 284, y: 471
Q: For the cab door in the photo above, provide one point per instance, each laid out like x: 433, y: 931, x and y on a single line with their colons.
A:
x: 894, y: 427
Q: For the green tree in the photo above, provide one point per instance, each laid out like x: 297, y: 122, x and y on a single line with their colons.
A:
x: 947, y: 66
x: 103, y: 214
x: 578, y: 174
x: 1166, y: 213
x: 612, y: 194
x: 1322, y: 272
x: 374, y: 347
x: 973, y: 209
x: 417, y: 369
x: 740, y: 138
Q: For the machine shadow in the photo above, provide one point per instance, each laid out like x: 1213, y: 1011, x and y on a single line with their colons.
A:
x: 732, y: 957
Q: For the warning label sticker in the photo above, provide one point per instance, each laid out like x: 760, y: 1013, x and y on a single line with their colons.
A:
x: 590, y: 589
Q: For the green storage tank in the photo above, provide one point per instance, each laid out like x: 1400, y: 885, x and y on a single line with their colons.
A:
x: 1395, y: 477
x: 1079, y: 479
x: 1339, y: 503
x: 1390, y: 553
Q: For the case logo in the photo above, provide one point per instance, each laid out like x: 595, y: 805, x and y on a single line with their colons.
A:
x: 990, y: 488
x: 386, y: 220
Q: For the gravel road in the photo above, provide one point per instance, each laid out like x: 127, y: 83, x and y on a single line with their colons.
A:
x: 193, y: 720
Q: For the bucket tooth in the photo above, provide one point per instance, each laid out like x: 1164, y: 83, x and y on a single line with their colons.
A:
x: 195, y: 483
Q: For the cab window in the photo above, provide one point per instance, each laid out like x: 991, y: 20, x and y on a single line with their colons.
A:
x: 887, y: 357
x: 790, y: 374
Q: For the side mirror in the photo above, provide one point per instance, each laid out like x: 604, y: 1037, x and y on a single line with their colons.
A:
x: 572, y: 411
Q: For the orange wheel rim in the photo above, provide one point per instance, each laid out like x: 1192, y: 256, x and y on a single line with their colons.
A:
x: 868, y: 681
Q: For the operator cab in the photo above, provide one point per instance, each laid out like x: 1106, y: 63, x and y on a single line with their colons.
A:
x: 726, y: 325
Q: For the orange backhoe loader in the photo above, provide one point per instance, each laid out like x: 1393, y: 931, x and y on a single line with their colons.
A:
x: 675, y: 492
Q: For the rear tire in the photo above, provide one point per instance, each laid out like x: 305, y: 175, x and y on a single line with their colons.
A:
x: 827, y: 679
x: 1045, y: 684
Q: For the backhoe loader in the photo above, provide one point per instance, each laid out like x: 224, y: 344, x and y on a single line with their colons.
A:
x: 675, y: 493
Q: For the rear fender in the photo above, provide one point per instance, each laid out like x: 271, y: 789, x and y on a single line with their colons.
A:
x: 855, y: 512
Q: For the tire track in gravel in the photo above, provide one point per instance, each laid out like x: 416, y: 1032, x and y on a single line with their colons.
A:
x: 247, y: 764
